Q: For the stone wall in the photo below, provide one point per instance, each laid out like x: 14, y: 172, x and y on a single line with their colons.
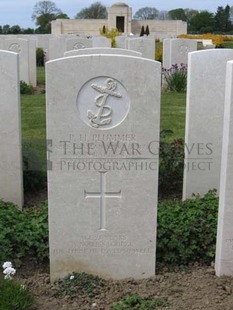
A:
x: 78, y: 26
x: 160, y: 28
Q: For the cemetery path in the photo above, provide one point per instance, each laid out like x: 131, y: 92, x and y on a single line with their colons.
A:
x: 195, y: 288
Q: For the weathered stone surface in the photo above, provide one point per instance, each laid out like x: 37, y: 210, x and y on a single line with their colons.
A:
x: 175, y: 51
x: 104, y: 128
x: 100, y: 50
x: 20, y: 46
x: 11, y: 176
x: 204, y: 120
x: 146, y: 46
x: 224, y: 249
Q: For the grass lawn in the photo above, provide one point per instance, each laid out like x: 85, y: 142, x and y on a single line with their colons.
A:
x: 173, y: 114
x: 40, y: 75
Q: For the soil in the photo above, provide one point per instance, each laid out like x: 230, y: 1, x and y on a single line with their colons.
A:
x: 195, y: 288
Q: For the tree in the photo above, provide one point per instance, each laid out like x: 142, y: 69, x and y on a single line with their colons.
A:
x: 146, y: 13
x: 95, y: 11
x: 142, y: 31
x: 178, y: 14
x: 147, y: 32
x: 43, y: 13
x: 190, y: 13
x: 202, y: 22
x: 163, y: 15
x: 6, y: 29
x: 28, y: 31
x: 222, y: 19
x: 15, y: 29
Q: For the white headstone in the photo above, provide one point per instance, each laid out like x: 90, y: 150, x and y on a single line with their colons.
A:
x: 121, y: 41
x: 32, y: 63
x: 204, y: 120
x: 175, y: 51
x: 20, y: 46
x: 100, y: 50
x: 78, y: 43
x: 101, y: 42
x: 104, y: 127
x: 11, y: 176
x: 224, y: 249
x: 57, y: 48
x: 146, y: 46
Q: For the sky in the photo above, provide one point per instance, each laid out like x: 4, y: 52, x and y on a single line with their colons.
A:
x: 19, y: 12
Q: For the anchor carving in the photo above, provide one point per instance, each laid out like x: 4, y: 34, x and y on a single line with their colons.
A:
x: 103, y: 115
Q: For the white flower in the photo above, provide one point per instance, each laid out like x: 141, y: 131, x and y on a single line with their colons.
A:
x: 9, y: 272
x: 23, y: 287
x: 71, y: 277
x: 7, y: 265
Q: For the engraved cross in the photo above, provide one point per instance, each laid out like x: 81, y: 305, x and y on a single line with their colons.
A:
x: 102, y: 194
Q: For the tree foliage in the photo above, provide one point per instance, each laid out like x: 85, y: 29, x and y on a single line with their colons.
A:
x: 178, y: 14
x: 202, y: 22
x: 163, y: 15
x: 146, y: 13
x: 43, y: 13
x: 94, y: 11
x: 222, y: 19
x: 15, y: 29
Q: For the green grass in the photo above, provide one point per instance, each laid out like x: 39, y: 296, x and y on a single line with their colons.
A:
x: 33, y: 116
x: 228, y: 44
x: 34, y: 123
x: 40, y: 75
x: 173, y: 114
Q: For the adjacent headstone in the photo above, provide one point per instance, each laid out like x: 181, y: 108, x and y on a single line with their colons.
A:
x: 20, y: 46
x: 146, y: 46
x: 101, y: 42
x: 224, y: 249
x: 121, y: 41
x: 11, y: 176
x: 204, y: 120
x: 32, y: 63
x: 103, y: 118
x: 100, y: 50
x: 175, y: 51
x: 57, y: 48
x: 78, y: 43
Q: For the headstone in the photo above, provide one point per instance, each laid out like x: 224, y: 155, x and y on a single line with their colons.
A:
x: 20, y: 46
x: 57, y: 48
x: 32, y: 63
x: 78, y: 43
x: 100, y: 50
x: 167, y: 53
x: 146, y: 46
x: 121, y: 41
x: 104, y: 128
x: 224, y: 249
x: 11, y: 176
x: 101, y: 42
x: 175, y: 51
x: 204, y: 120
